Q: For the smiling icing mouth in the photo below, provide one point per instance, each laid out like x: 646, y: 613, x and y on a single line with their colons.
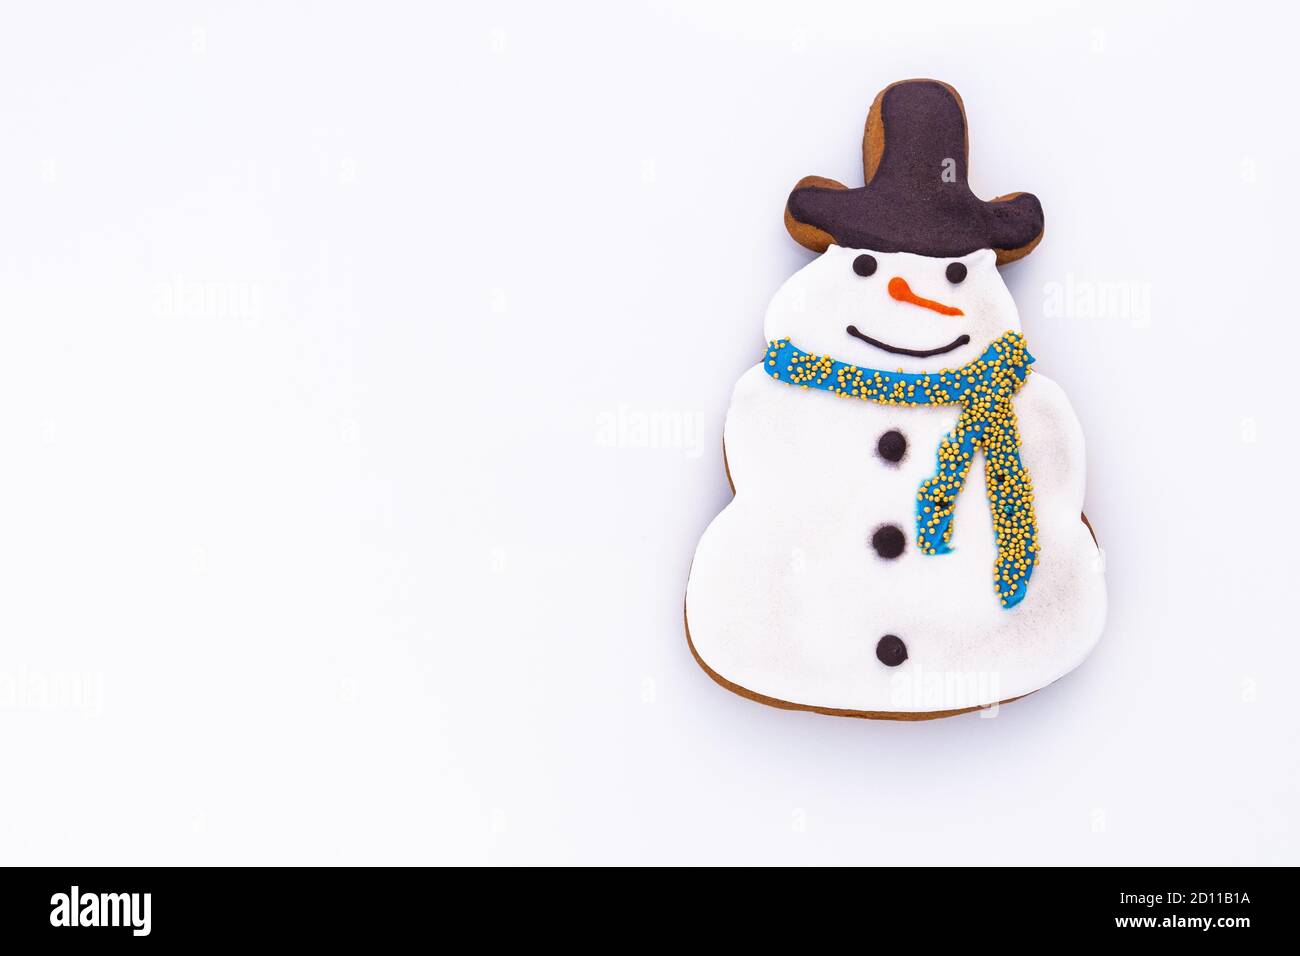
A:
x: 956, y: 343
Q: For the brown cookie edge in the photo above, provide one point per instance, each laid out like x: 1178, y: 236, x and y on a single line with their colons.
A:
x: 810, y: 237
x: 826, y: 711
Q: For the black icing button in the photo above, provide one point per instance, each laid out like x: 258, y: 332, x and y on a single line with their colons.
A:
x: 891, y: 651
x: 888, y: 541
x: 892, y: 445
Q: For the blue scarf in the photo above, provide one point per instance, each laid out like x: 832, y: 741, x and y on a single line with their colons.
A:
x: 987, y: 423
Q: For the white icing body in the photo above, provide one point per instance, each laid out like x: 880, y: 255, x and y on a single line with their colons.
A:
x: 787, y: 597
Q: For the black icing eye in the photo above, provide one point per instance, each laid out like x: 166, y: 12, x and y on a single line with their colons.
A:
x: 956, y: 272
x: 864, y: 265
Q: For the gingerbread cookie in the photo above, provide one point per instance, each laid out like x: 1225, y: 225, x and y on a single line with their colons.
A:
x: 905, y: 539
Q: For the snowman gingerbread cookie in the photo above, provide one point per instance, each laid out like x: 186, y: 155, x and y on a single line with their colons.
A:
x: 906, y: 539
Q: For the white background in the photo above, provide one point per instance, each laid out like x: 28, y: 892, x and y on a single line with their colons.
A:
x: 314, y: 548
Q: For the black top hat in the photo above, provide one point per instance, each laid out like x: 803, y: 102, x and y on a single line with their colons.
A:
x: 916, y: 198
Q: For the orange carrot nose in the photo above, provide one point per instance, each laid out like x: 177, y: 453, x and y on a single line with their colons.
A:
x: 901, y: 291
